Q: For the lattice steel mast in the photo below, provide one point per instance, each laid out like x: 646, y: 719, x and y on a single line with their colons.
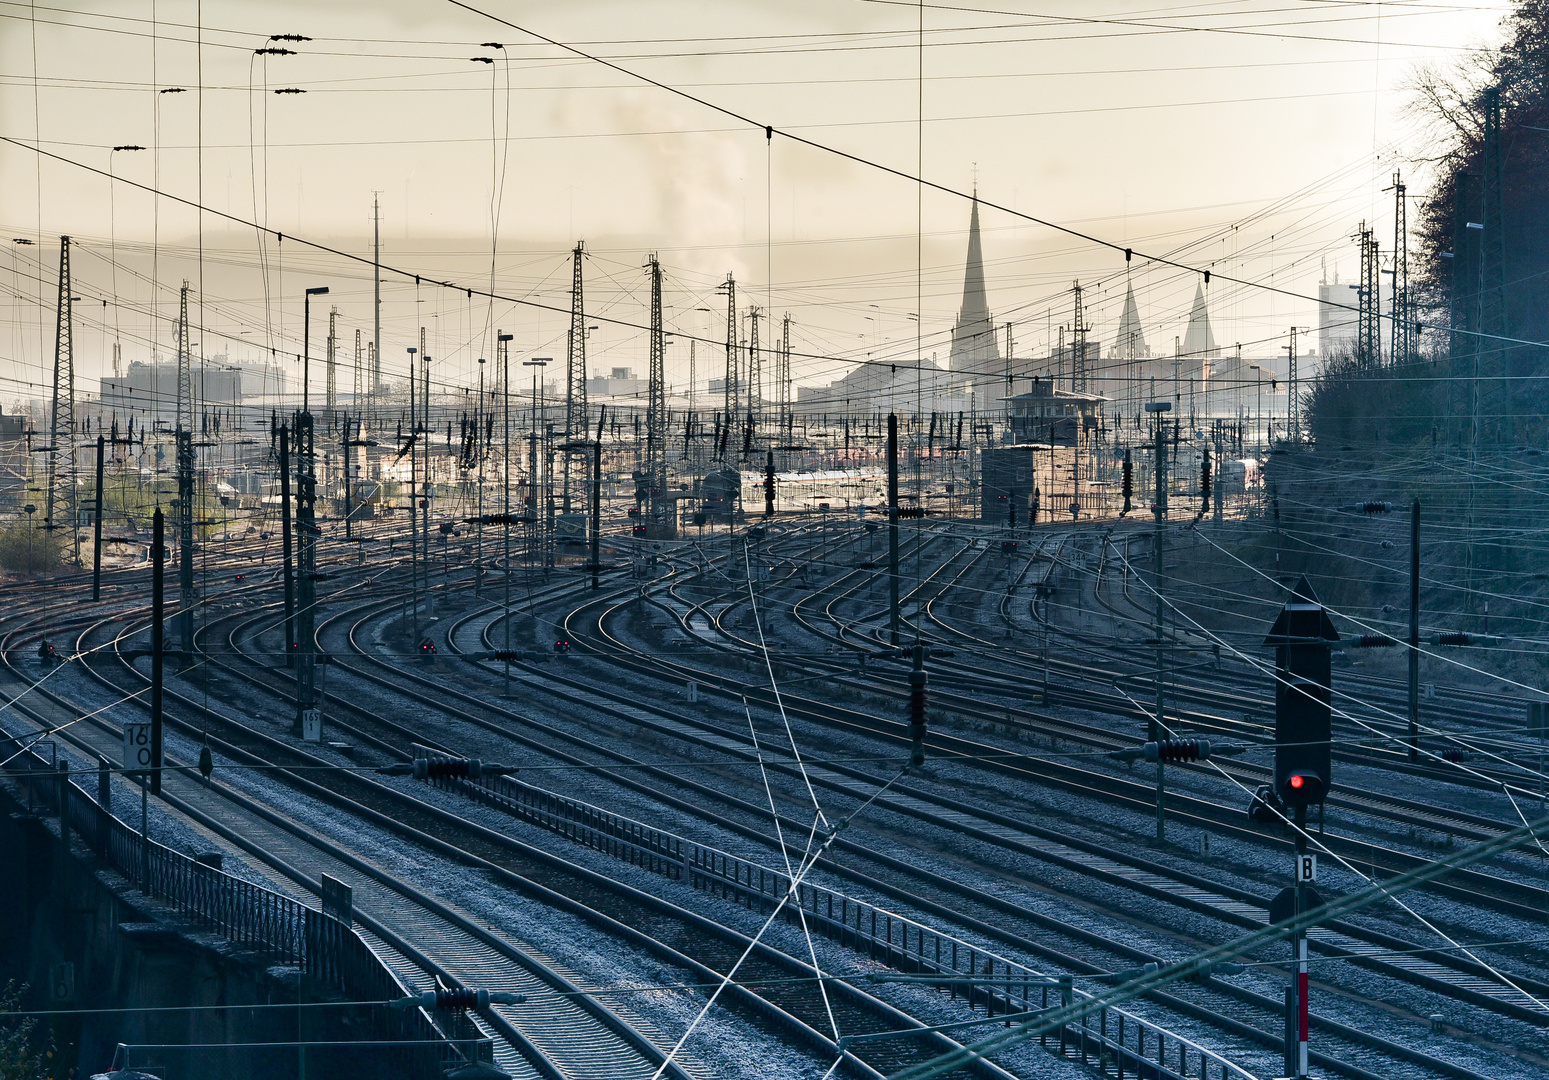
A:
x: 575, y: 379
x: 62, y: 411
x: 656, y: 407
x: 331, y: 384
x: 185, y: 380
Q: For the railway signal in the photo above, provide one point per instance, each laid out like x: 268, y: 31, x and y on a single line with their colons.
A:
x: 1303, y: 637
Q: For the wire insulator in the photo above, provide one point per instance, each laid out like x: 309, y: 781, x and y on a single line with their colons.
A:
x: 1178, y: 750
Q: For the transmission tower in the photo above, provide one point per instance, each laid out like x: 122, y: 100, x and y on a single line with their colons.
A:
x: 1403, y: 325
x: 185, y: 380
x: 1078, y: 347
x: 656, y: 407
x: 61, y: 473
x: 332, y: 383
x: 355, y: 388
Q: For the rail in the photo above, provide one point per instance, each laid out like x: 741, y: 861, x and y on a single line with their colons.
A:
x: 325, y: 948
x: 1112, y: 1038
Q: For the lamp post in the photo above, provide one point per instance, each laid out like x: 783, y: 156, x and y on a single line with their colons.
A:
x: 502, y: 345
x: 1258, y: 408
x: 478, y: 439
x: 537, y: 363
x: 306, y: 340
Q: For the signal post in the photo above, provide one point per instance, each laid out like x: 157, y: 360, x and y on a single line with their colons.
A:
x: 1303, y: 637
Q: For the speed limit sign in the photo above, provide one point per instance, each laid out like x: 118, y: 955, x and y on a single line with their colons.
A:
x: 137, y: 746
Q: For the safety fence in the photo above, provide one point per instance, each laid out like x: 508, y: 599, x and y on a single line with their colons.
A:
x: 1113, y: 1040
x: 323, y: 947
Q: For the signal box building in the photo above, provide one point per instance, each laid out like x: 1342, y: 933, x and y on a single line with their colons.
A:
x: 1052, y: 417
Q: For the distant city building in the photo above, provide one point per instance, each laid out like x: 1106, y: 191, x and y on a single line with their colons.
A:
x: 621, y: 382
x: 1339, y: 308
x: 894, y: 386
x: 148, y: 392
x: 13, y: 460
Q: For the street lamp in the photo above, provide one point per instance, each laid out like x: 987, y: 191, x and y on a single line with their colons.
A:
x: 306, y: 339
x: 1258, y: 409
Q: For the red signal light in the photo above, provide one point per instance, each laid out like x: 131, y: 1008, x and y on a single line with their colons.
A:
x: 1297, y: 781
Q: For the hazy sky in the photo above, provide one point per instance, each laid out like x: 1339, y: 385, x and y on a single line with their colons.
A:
x: 1248, y: 136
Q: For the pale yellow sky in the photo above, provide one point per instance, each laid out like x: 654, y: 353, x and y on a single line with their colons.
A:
x: 1248, y: 136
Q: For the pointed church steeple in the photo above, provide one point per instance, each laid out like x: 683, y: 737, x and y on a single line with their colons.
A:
x: 973, y: 338
x: 1131, y: 342
x: 1199, y: 341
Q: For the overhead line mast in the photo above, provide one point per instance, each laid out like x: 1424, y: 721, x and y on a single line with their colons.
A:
x: 62, y: 418
x: 575, y: 384
x: 656, y: 407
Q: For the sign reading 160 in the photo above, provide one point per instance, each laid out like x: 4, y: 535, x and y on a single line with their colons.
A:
x: 137, y: 746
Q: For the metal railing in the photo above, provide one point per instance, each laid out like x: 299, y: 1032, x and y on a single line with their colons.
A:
x: 323, y: 947
x: 1112, y: 1039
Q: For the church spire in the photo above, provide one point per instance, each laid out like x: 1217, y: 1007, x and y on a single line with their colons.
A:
x: 973, y: 338
x: 1131, y: 342
x: 1198, y: 341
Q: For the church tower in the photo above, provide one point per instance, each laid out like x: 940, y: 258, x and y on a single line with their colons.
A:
x: 975, y: 352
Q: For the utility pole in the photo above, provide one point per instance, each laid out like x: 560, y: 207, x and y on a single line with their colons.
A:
x: 187, y: 600
x: 1492, y: 263
x: 96, y: 555
x: 478, y: 446
x: 597, y: 499
x: 731, y: 387
x: 158, y: 641
x: 656, y: 411
x: 1402, y: 325
x: 306, y: 724
x: 1155, y: 730
x: 376, y: 301
x: 892, y: 528
x: 502, y: 347
x: 414, y: 511
x: 285, y: 546
x: 62, y: 419
x: 1414, y: 632
x: 1293, y: 409
x: 575, y: 385
x: 783, y: 376
x: 1078, y: 371
x: 430, y: 480
x: 755, y: 374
